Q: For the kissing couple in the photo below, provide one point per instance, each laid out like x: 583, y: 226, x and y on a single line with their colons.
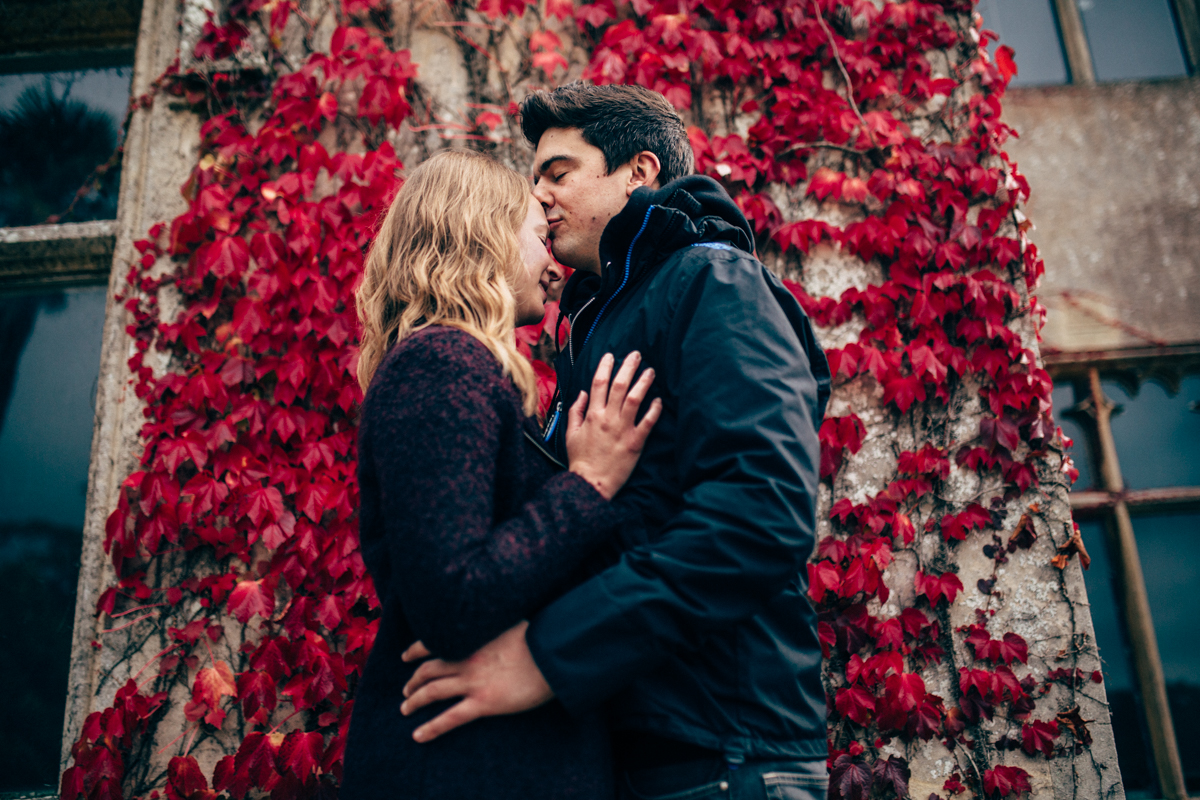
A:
x: 612, y: 603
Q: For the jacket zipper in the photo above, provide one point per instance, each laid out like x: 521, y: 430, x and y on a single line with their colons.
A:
x: 553, y: 425
x: 571, y: 333
x: 624, y: 278
x: 553, y: 422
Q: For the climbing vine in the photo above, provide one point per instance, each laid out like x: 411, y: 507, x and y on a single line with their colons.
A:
x: 882, y: 121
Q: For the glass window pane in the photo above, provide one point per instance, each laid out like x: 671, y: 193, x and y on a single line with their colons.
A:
x: 56, y: 129
x: 1169, y: 547
x: 1133, y: 755
x: 1030, y: 29
x: 1157, y: 436
x: 1132, y: 40
x: 49, y: 360
x: 1080, y: 452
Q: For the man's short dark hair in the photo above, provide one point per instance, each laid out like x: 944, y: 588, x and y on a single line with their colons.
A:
x: 620, y: 120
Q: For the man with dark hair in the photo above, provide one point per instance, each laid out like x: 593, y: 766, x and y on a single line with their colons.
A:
x: 699, y: 639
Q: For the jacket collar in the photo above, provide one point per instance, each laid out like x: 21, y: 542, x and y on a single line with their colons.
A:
x: 654, y: 224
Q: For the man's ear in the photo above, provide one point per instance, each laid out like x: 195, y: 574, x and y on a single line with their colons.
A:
x: 644, y: 169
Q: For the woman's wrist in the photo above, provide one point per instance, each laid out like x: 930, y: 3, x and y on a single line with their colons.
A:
x: 598, y: 483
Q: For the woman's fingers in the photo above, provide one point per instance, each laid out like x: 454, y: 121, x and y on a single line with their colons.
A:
x: 649, y: 418
x: 600, y: 379
x: 415, y: 652
x: 633, y: 400
x: 620, y: 384
x: 576, y: 413
x: 432, y: 692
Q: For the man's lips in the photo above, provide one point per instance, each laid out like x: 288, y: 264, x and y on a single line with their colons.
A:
x: 553, y: 222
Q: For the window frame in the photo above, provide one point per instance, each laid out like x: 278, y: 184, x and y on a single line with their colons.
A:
x: 1112, y: 503
x: 1080, y: 68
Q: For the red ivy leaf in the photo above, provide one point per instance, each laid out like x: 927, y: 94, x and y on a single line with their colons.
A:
x: 301, y: 753
x: 1005, y: 62
x: 185, y: 780
x: 249, y: 598
x: 850, y: 777
x: 224, y: 258
x: 256, y: 691
x: 1039, y: 735
x: 855, y: 703
x: 946, y: 585
x: 1002, y: 781
x: 891, y: 773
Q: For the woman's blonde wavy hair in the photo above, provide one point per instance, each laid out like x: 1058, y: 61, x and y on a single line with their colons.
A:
x: 446, y: 254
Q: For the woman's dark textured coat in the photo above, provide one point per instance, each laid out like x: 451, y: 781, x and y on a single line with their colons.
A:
x: 466, y: 529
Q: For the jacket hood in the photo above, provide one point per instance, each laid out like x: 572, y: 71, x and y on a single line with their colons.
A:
x: 654, y: 224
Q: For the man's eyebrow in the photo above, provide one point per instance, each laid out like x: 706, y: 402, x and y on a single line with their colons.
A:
x: 551, y: 161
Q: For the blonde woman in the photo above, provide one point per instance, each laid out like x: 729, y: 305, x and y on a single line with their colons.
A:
x: 467, y: 527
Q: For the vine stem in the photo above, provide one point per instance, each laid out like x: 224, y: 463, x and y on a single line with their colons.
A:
x: 137, y: 608
x: 151, y: 661
x: 167, y: 746
x: 822, y: 145
x: 845, y: 75
x: 129, y: 624
x: 284, y: 720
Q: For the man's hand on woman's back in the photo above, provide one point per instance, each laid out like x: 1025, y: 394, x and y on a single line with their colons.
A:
x: 499, y: 678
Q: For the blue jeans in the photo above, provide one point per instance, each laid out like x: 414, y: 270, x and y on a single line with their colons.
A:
x: 716, y: 780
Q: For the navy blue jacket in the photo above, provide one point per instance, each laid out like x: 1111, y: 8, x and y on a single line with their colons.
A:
x: 703, y: 632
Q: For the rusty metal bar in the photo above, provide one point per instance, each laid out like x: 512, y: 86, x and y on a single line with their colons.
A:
x: 1187, y: 13
x: 1091, y: 503
x: 1075, y: 43
x: 1134, y: 603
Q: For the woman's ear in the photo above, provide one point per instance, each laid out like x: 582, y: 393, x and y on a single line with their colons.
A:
x: 644, y: 169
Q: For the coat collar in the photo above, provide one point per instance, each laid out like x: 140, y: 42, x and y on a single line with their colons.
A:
x: 655, y: 223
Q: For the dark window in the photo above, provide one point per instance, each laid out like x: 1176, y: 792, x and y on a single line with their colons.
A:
x: 1157, y: 439
x: 1064, y: 399
x: 49, y: 362
x: 1157, y: 435
x: 1132, y: 40
x: 1030, y: 29
x: 59, y: 133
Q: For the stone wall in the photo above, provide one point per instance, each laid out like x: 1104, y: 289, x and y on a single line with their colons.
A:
x: 1115, y: 171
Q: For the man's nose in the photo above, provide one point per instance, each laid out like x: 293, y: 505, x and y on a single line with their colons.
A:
x: 542, y: 195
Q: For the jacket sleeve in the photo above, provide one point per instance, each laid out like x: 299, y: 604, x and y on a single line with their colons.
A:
x: 747, y: 454
x: 436, y: 430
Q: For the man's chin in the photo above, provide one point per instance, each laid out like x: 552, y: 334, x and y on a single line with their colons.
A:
x: 567, y: 256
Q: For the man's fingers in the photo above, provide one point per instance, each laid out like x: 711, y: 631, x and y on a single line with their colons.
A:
x: 431, y: 670
x: 455, y: 716
x: 415, y: 652
x: 600, y: 379
x: 432, y: 692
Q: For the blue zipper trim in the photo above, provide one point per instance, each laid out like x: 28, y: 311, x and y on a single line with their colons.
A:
x: 553, y: 423
x: 624, y: 280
